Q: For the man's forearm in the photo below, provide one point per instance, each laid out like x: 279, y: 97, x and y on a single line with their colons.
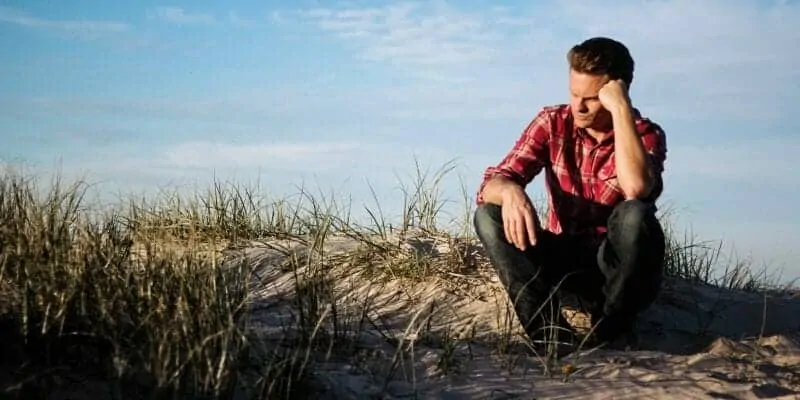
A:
x: 632, y: 163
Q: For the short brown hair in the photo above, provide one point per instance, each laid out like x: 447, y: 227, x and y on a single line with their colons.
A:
x: 602, y: 56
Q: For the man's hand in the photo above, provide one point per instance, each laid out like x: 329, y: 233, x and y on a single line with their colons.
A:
x: 519, y: 218
x: 614, y: 95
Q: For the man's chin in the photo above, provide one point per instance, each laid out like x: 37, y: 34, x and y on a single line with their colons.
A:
x: 583, y: 123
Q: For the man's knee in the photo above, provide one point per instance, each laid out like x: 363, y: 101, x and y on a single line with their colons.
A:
x: 632, y: 214
x: 635, y: 237
x: 488, y: 223
x: 633, y: 218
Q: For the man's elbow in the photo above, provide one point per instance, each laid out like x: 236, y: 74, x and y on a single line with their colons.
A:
x: 638, y: 189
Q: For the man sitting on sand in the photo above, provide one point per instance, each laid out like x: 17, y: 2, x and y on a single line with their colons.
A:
x: 602, y: 164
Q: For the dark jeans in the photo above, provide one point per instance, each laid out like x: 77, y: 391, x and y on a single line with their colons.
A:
x: 615, y: 280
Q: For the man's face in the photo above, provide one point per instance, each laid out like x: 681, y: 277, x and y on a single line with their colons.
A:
x: 586, y: 108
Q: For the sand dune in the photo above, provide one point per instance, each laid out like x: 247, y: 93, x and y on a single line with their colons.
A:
x: 453, y: 334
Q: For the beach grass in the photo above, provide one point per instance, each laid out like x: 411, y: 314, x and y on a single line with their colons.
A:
x: 137, y: 297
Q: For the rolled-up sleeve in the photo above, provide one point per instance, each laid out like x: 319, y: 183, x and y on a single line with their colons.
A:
x: 526, y: 158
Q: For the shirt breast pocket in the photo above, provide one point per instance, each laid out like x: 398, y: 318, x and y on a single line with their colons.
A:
x: 607, y: 179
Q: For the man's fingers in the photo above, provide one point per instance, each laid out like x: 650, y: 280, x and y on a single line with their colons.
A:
x: 511, y: 231
x: 507, y: 227
x: 524, y: 233
x: 520, y: 230
x: 510, y: 228
x: 506, y: 230
x: 530, y: 224
x: 515, y: 232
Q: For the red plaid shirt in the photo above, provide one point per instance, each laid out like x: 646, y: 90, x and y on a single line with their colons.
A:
x: 580, y: 174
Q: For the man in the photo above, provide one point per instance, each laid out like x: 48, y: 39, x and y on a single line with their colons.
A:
x: 602, y: 164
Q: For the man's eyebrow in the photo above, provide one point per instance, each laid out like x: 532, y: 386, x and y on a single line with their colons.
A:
x: 587, y: 98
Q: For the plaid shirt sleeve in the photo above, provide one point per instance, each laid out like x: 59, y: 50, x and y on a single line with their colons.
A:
x: 654, y: 141
x: 526, y: 159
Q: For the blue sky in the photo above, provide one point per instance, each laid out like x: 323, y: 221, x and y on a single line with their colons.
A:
x: 149, y: 94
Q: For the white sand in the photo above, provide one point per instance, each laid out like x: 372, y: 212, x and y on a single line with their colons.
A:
x: 696, y: 342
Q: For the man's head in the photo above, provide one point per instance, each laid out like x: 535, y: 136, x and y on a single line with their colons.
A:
x: 591, y: 65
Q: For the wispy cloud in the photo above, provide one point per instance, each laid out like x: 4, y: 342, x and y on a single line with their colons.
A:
x: 116, y: 35
x: 344, y: 166
x: 81, y: 28
x: 434, y: 39
x: 181, y: 16
x: 237, y: 20
x: 275, y: 156
x: 400, y: 103
x: 177, y: 15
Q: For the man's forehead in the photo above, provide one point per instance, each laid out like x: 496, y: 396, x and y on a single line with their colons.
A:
x: 587, y: 82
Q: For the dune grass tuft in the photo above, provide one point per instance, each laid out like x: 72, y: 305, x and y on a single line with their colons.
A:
x: 106, y: 297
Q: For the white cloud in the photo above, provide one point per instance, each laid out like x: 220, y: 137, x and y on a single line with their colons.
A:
x: 433, y: 40
x: 83, y: 28
x: 298, y: 156
x: 344, y: 167
x: 237, y: 20
x: 115, y: 35
x: 408, y: 102
x: 276, y: 17
x: 180, y: 16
